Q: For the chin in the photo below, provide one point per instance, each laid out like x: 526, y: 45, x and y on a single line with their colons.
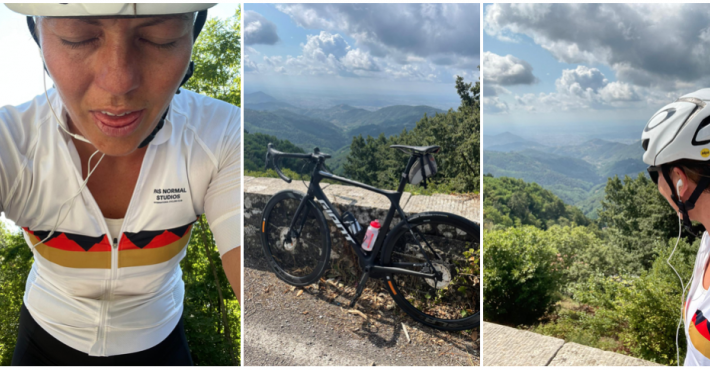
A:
x: 117, y: 149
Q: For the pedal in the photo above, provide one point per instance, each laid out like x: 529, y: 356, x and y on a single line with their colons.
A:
x: 360, y: 288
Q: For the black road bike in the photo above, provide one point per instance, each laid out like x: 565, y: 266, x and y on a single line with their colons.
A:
x: 427, y: 260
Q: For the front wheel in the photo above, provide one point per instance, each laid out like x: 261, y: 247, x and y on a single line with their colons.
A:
x: 297, y: 255
x: 449, y: 245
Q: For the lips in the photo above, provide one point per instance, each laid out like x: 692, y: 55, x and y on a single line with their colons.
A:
x: 117, y: 123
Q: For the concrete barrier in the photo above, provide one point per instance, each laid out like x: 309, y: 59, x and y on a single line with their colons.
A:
x: 506, y: 346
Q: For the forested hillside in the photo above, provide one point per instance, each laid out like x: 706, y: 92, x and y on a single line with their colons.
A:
x: 329, y: 129
x: 602, y: 283
x: 513, y: 202
x: 370, y: 159
x: 575, y: 173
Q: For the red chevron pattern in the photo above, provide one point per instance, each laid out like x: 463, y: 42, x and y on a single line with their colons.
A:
x: 73, y: 242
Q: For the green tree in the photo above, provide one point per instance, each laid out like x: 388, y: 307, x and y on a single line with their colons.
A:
x: 522, y: 275
x: 15, y: 264
x: 457, y: 132
x: 638, y: 218
x: 508, y: 202
x: 217, y: 55
x: 212, y: 311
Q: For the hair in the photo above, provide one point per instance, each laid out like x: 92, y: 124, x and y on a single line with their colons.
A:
x: 695, y: 170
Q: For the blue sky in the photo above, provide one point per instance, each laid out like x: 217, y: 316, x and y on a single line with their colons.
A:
x: 589, y: 67
x: 362, y: 54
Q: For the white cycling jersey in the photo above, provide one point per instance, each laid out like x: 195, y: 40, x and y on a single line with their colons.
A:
x: 106, y: 294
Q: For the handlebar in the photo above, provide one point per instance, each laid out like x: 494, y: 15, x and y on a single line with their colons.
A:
x: 274, y: 154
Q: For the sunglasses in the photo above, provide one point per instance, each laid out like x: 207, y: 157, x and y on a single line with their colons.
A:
x: 654, y: 172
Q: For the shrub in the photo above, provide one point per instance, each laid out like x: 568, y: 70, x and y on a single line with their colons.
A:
x: 643, y: 312
x: 521, y: 275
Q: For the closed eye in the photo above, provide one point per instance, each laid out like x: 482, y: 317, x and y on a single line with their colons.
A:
x: 75, y: 45
x: 168, y: 45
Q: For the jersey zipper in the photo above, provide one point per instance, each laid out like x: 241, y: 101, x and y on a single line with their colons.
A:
x: 115, y: 243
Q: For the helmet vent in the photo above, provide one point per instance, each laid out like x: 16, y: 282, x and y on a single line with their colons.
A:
x: 702, y: 133
x: 659, y: 118
x: 645, y: 144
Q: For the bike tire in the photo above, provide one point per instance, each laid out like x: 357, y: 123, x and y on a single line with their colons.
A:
x: 452, y: 305
x: 305, y: 261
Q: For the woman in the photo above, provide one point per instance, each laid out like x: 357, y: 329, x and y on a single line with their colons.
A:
x: 677, y: 147
x: 106, y: 174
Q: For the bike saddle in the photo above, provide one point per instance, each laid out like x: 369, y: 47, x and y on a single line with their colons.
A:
x: 417, y: 149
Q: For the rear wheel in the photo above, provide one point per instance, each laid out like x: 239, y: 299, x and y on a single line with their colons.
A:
x: 448, y: 244
x: 298, y: 256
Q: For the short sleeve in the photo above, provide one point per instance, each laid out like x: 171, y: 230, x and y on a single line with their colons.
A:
x: 14, y: 175
x: 223, y: 197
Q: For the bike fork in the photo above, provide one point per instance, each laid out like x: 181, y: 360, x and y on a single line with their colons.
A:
x: 360, y: 287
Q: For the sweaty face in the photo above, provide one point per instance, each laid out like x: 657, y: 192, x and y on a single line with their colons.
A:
x: 116, y: 76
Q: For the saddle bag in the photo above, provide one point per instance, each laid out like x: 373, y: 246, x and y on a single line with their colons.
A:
x: 423, y: 168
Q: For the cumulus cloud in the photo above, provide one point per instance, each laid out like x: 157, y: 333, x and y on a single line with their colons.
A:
x: 444, y: 34
x: 319, y: 47
x: 493, y: 105
x: 409, y: 42
x: 662, y: 46
x: 580, y: 88
x: 506, y: 70
x: 322, y: 54
x: 259, y: 30
x: 359, y: 60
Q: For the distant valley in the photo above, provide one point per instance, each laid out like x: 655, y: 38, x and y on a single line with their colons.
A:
x: 329, y: 129
x: 575, y: 173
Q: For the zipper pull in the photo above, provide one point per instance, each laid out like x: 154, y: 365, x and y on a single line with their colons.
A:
x: 115, y: 243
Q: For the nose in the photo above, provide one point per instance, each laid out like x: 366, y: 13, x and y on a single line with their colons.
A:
x: 117, y: 66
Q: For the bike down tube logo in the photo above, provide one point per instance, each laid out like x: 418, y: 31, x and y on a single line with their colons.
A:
x: 335, y: 219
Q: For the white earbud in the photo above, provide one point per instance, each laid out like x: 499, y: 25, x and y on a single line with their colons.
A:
x: 59, y: 122
x: 59, y: 220
x: 678, y: 185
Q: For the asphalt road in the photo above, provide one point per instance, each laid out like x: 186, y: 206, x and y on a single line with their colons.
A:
x: 288, y: 326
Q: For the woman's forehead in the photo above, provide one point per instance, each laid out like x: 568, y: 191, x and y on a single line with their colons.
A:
x: 138, y: 21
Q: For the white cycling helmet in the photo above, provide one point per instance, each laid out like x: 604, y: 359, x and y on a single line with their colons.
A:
x: 96, y: 10
x: 679, y: 131
x: 116, y: 10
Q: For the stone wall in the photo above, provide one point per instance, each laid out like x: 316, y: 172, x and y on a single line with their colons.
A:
x: 364, y: 205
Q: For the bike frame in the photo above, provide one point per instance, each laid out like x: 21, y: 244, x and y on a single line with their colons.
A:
x: 371, y: 269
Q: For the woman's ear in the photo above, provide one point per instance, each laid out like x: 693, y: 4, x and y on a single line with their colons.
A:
x: 681, y: 183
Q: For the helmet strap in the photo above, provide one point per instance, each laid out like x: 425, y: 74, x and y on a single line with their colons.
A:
x: 200, y: 20
x: 155, y: 131
x: 689, y: 204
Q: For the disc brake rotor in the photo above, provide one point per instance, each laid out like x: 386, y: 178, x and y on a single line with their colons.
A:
x: 289, y: 247
x: 445, y: 276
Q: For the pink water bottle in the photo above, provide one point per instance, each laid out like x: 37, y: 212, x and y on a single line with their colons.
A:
x: 371, y: 235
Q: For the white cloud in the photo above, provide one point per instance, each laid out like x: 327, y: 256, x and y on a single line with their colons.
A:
x: 259, y: 30
x: 506, y: 70
x: 357, y: 59
x: 493, y: 105
x: 412, y: 42
x: 579, y: 89
x: 662, y: 46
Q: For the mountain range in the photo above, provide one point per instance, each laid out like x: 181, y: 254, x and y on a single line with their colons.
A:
x: 330, y: 129
x: 575, y: 173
